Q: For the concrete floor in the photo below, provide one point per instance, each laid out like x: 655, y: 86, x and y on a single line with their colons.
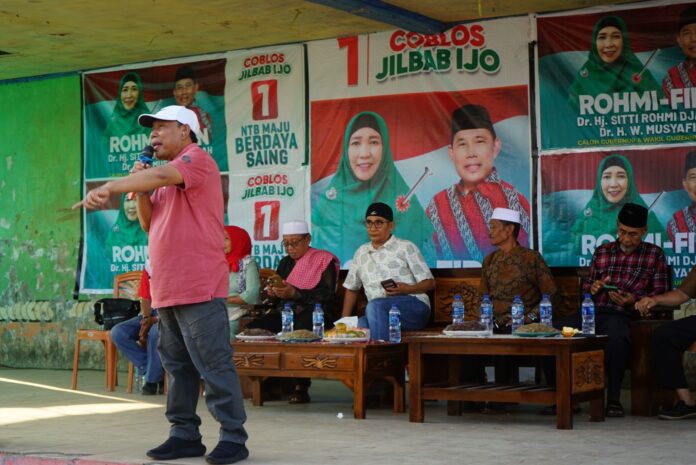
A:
x: 43, y: 422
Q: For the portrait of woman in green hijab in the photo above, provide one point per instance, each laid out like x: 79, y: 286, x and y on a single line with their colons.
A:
x: 611, y: 66
x: 615, y: 187
x: 126, y: 230
x: 366, y: 174
x: 130, y: 104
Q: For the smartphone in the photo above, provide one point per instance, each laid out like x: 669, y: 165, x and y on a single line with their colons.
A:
x: 388, y: 284
x: 610, y: 287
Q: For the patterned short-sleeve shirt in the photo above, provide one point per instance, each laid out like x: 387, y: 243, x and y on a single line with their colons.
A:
x: 397, y: 259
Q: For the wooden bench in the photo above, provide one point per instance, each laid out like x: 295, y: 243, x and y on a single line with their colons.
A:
x: 356, y: 365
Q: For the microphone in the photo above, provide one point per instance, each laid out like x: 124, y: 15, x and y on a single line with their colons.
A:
x: 146, y: 158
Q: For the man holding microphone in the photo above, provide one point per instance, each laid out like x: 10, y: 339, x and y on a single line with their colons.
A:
x: 181, y: 207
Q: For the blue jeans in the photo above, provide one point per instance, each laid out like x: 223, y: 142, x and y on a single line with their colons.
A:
x: 414, y: 315
x: 146, y: 362
x: 195, y: 343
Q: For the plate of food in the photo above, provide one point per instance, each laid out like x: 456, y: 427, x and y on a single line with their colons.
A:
x: 466, y: 329
x: 344, y: 335
x: 256, y: 334
x: 536, y: 330
x: 299, y: 335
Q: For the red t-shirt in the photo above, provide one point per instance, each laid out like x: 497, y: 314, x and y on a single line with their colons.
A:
x: 144, y: 289
x: 186, y: 238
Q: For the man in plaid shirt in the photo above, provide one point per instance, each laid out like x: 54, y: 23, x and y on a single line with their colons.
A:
x: 630, y: 269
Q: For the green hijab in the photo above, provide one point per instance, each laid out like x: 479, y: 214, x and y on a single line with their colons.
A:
x: 597, y: 77
x: 125, y: 122
x: 599, y: 215
x: 124, y: 231
x: 338, y: 218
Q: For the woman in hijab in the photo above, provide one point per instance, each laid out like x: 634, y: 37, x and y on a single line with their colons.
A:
x: 611, y: 65
x: 129, y: 105
x: 126, y: 230
x: 244, y: 275
x: 615, y: 187
x: 366, y: 174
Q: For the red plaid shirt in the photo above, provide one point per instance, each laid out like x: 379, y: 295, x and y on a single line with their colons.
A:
x: 642, y: 272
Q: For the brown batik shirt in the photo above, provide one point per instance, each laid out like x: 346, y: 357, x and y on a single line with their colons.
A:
x: 521, y: 271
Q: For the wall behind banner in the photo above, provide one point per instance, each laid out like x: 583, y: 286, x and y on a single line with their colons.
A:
x: 39, y: 235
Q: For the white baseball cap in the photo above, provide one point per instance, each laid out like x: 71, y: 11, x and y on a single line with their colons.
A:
x: 295, y: 227
x: 505, y: 214
x: 173, y: 113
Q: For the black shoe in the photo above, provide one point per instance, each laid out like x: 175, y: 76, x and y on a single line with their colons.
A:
x: 681, y: 411
x: 614, y: 409
x: 227, y: 452
x: 176, y: 448
x: 149, y: 389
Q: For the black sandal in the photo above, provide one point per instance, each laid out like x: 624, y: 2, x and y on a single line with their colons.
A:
x: 615, y: 409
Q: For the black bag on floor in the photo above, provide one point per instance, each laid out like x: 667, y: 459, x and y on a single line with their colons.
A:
x: 109, y: 312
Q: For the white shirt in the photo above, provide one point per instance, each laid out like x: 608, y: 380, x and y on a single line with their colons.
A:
x: 397, y: 259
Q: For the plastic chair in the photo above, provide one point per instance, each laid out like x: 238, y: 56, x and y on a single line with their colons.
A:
x: 125, y: 286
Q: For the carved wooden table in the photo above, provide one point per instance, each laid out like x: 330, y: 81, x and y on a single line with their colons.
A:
x: 579, y: 373
x: 355, y: 364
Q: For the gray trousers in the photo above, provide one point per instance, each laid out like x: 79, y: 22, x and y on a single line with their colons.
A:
x: 195, y: 342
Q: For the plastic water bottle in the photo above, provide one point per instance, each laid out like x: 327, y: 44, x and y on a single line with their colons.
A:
x: 394, y: 324
x: 517, y: 313
x: 487, y: 313
x: 318, y: 321
x: 287, y: 317
x: 588, y: 315
x: 457, y: 310
x: 545, y: 311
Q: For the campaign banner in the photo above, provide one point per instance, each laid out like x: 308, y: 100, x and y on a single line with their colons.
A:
x: 618, y: 77
x: 265, y: 101
x: 582, y: 194
x: 382, y: 109
x: 113, y: 99
x: 114, y: 243
x: 262, y: 201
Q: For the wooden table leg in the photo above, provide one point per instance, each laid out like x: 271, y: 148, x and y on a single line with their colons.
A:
x: 415, y: 373
x: 454, y: 407
x: 359, y: 387
x: 256, y: 394
x: 564, y: 410
x: 597, y: 408
x: 398, y: 383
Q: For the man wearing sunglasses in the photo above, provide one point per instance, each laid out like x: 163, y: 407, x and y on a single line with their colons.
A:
x: 393, y: 272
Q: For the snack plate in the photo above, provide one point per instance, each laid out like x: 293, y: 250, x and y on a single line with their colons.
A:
x: 242, y: 337
x: 540, y: 334
x: 483, y: 333
x: 345, y: 340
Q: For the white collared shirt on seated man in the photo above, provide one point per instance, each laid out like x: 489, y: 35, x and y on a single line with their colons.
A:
x: 396, y: 259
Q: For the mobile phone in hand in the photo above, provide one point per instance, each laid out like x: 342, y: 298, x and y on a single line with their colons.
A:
x: 388, y: 284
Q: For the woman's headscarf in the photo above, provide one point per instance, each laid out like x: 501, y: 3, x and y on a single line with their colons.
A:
x: 240, y: 246
x: 125, y: 122
x: 124, y: 231
x: 597, y: 77
x: 599, y: 215
x: 338, y: 218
